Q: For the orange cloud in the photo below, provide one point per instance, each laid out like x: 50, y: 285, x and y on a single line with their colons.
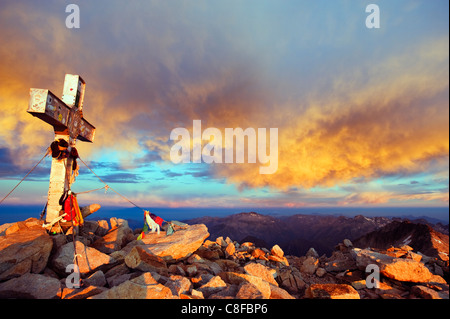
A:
x: 392, y: 120
x: 378, y: 118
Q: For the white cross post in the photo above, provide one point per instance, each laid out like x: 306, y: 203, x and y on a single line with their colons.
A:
x: 66, y: 117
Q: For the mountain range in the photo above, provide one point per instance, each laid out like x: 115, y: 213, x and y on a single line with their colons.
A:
x: 297, y: 233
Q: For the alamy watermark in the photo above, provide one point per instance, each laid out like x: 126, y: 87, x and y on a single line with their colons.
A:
x: 373, y: 19
x: 73, y: 19
x: 74, y: 279
x: 373, y: 279
x: 217, y: 144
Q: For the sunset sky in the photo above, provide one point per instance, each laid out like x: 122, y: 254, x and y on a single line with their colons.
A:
x: 362, y: 114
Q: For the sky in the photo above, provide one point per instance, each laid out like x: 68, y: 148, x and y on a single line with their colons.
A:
x: 362, y: 113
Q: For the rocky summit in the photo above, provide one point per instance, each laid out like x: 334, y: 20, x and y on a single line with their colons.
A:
x: 189, y: 264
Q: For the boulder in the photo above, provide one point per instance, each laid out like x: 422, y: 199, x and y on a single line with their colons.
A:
x: 395, y: 268
x: 279, y: 293
x: 214, y: 285
x: 96, y: 279
x: 291, y: 281
x: 82, y: 293
x: 114, y: 240
x: 230, y: 250
x: 277, y: 251
x: 259, y: 254
x: 179, y: 285
x: 142, y: 287
x: 347, y: 243
x: 312, y: 253
x: 89, y: 259
x: 338, y: 265
x: 310, y: 265
x: 25, y: 248
x: 4, y: 227
x: 141, y: 258
x: 178, y: 246
x: 248, y: 291
x: 237, y: 279
x: 282, y: 260
x: 103, y: 228
x: 331, y: 291
x: 262, y: 272
x: 428, y: 293
x: 88, y: 210
x: 31, y: 286
x: 320, y: 272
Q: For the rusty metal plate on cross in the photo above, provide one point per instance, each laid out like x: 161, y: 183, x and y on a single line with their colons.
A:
x: 49, y: 108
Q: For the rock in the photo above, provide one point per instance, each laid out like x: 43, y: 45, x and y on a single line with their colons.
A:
x: 262, y: 272
x: 96, y: 279
x: 198, y: 294
x: 437, y: 279
x: 201, y: 280
x: 347, y: 243
x: 89, y: 259
x: 340, y: 265
x: 142, y: 287
x: 214, y: 267
x: 207, y: 253
x: 114, y: 240
x: 387, y: 287
x: 4, y: 227
x: 221, y: 242
x: 25, y: 248
x: 279, y: 293
x: 282, y: 260
x: 248, y: 291
x: 103, y: 228
x: 176, y: 270
x: 291, y: 281
x: 195, y: 259
x: 414, y: 256
x: 88, y: 210
x: 331, y: 291
x: 230, y: 250
x: 277, y: 251
x: 30, y: 286
x: 320, y: 272
x: 83, y: 293
x: 236, y: 279
x: 406, y: 248
x: 259, y: 254
x: 396, y: 268
x: 312, y: 253
x: 229, y: 292
x: 118, y: 279
x: 191, y: 270
x: 178, y: 246
x: 117, y: 270
x: 141, y: 258
x: 438, y: 270
x: 310, y: 265
x: 428, y: 293
x: 359, y: 284
x: 179, y: 285
x: 214, y: 285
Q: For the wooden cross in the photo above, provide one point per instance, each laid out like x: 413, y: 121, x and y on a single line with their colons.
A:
x: 66, y: 117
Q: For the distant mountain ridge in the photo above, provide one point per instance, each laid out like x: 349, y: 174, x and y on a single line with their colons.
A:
x: 421, y: 237
x: 297, y: 233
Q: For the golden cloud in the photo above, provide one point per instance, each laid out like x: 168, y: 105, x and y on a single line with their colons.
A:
x: 393, y: 119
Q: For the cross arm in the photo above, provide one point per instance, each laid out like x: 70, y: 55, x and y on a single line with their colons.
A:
x: 49, y: 108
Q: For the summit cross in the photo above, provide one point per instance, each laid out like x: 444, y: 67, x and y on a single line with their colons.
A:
x: 66, y: 117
